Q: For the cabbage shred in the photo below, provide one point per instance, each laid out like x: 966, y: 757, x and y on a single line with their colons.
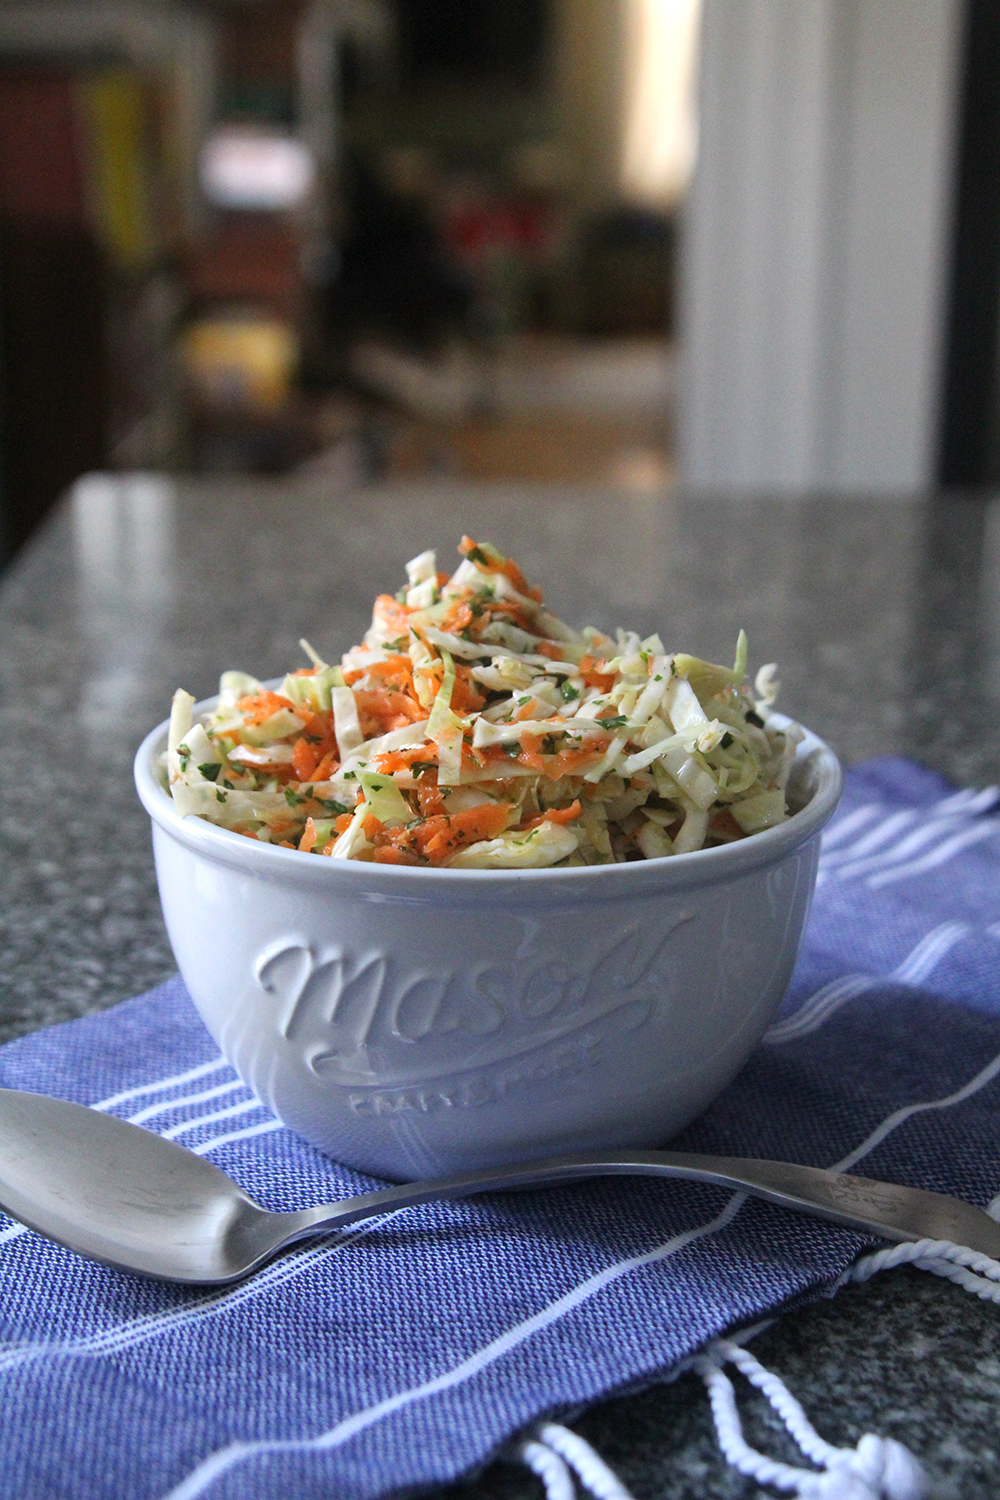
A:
x: 472, y: 728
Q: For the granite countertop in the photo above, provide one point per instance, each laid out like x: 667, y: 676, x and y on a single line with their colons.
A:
x: 884, y: 616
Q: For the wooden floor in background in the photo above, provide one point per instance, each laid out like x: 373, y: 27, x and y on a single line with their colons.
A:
x: 557, y: 447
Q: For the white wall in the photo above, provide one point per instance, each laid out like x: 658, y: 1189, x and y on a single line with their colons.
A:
x: 816, y: 244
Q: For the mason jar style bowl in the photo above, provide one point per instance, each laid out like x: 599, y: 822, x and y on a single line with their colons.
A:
x: 414, y: 1022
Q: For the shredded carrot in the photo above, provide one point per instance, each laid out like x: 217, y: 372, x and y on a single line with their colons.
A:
x: 308, y: 837
x: 555, y: 815
x: 380, y: 711
x: 429, y: 798
x: 464, y: 828
x: 467, y: 697
x: 304, y: 759
x: 575, y: 762
x: 459, y: 616
x: 531, y: 752
x: 256, y: 707
x: 395, y: 671
x: 342, y: 824
x: 390, y: 854
x: 725, y: 825
x: 402, y: 760
x: 593, y: 676
x: 389, y: 612
x: 326, y: 767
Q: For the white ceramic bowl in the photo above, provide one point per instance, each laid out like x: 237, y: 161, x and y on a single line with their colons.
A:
x: 411, y: 1022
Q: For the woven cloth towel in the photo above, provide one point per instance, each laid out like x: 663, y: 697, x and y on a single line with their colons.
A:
x: 405, y: 1352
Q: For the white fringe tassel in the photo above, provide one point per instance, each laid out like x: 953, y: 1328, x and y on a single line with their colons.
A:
x: 877, y: 1469
x: 564, y: 1450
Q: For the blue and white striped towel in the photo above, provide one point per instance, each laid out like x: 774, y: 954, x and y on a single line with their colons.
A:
x: 404, y: 1353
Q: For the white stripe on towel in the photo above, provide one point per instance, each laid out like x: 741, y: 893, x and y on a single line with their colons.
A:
x: 842, y: 828
x: 914, y: 969
x: 236, y: 1135
x: 939, y: 818
x: 186, y: 1099
x: 241, y: 1108
x: 161, y: 1083
x: 938, y: 856
x: 900, y: 1116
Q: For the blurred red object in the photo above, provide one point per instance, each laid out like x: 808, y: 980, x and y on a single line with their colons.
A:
x: 40, y: 148
x: 473, y: 230
x: 247, y: 259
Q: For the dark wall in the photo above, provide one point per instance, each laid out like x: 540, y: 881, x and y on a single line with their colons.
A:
x: 970, y: 417
x: 53, y: 378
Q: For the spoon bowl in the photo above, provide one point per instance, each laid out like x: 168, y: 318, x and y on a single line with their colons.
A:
x: 116, y: 1193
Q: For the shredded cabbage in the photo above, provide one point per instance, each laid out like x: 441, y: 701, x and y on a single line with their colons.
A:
x: 474, y: 729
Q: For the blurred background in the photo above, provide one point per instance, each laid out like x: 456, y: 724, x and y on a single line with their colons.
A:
x: 746, y: 244
x: 356, y: 237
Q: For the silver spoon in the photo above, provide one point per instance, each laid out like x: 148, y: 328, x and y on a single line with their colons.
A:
x: 120, y: 1194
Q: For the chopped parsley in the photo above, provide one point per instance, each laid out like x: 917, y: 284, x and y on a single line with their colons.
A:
x: 293, y: 799
x: 616, y: 723
x: 332, y: 806
x: 569, y: 692
x: 210, y: 771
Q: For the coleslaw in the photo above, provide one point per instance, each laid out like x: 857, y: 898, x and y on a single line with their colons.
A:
x: 474, y: 729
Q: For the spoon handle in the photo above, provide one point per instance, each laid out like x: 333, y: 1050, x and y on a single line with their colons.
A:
x: 889, y: 1210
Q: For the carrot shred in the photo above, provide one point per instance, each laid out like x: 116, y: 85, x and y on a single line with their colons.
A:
x: 402, y: 760
x: 389, y: 854
x: 380, y: 711
x: 429, y: 798
x: 467, y: 696
x: 304, y: 759
x: 388, y: 612
x: 593, y: 676
x: 556, y: 815
x: 469, y: 827
x: 530, y: 754
x: 326, y: 767
x: 308, y: 836
x: 256, y: 707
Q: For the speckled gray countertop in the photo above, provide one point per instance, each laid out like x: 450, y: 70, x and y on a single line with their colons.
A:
x: 884, y: 617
